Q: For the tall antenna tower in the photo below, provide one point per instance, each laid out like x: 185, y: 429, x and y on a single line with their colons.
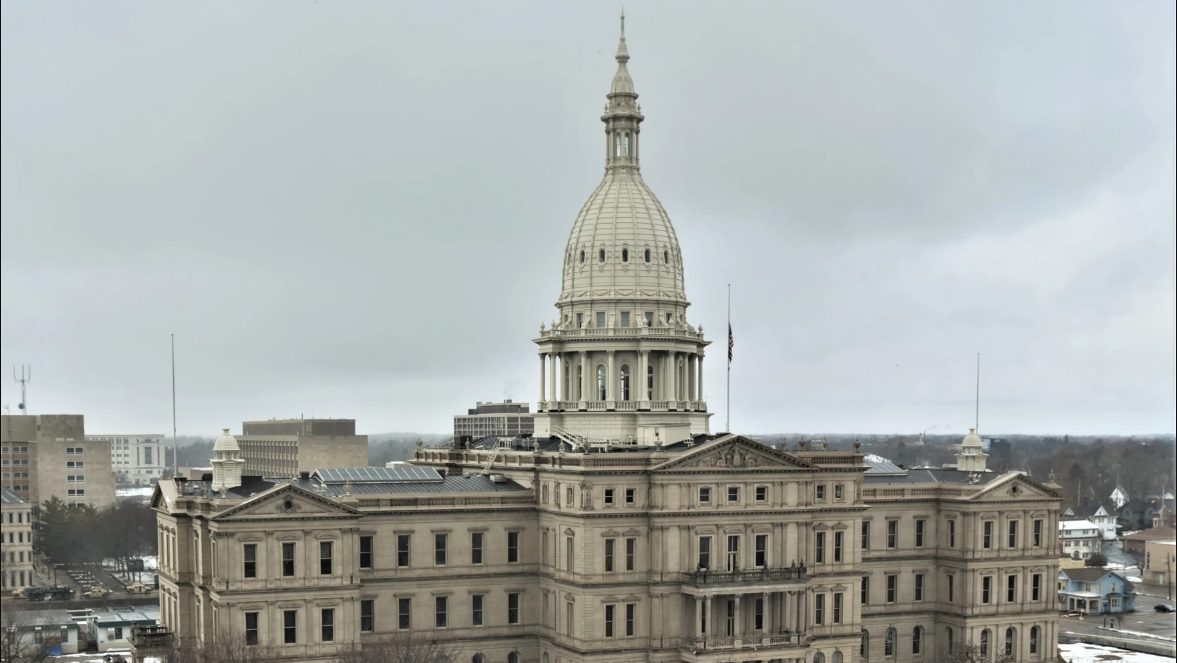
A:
x: 25, y: 377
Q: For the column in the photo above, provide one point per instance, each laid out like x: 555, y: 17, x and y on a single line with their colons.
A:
x: 640, y: 380
x: 738, y: 631
x: 701, y: 377
x: 542, y: 387
x: 670, y: 390
x: 698, y: 617
x: 692, y: 377
x: 584, y: 374
x: 552, y: 375
x: 611, y: 379
x: 711, y: 615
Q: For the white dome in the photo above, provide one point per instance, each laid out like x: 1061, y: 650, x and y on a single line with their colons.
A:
x: 623, y: 246
x: 972, y: 439
x: 226, y: 442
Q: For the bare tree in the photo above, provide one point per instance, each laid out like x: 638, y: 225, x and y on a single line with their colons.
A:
x: 20, y: 647
x: 402, y: 647
x: 971, y: 653
x: 225, y: 649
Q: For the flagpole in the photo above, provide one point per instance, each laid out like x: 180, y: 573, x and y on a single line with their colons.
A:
x: 729, y: 358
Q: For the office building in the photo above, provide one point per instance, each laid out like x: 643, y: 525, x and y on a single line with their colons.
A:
x: 506, y: 419
x: 47, y: 455
x: 281, y: 448
x: 137, y: 460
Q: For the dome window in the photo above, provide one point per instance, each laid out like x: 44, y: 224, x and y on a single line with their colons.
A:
x: 582, y: 256
x: 601, y: 256
x: 624, y: 255
x: 647, y: 256
x: 666, y: 257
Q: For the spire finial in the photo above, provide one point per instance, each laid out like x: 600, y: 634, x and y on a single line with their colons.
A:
x: 623, y: 22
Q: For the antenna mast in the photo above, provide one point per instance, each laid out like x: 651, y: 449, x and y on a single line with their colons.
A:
x: 175, y: 440
x: 25, y: 377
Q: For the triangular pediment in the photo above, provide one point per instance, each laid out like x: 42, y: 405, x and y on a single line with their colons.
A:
x: 1013, y: 486
x: 732, y: 452
x: 287, y: 502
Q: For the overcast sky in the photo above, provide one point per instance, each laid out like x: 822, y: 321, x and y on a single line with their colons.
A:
x: 360, y: 209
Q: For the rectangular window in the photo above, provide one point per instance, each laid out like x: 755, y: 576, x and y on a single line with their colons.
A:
x: 819, y: 548
x: 865, y: 593
x: 986, y: 589
x: 631, y: 610
x: 758, y: 614
x: 704, y: 495
x: 288, y: 559
x: 631, y: 496
x: 600, y: 319
x: 403, y: 548
x: 952, y: 533
x: 440, y: 607
x: 569, y: 553
x: 327, y: 625
x: 837, y: 547
x: 249, y: 557
x: 733, y: 552
x: 987, y: 534
x: 290, y: 626
x: 704, y: 552
x: 365, y: 552
x: 761, y: 550
x: 1011, y: 588
x: 1037, y: 532
x: 892, y: 534
x: 866, y: 535
x: 649, y: 318
x: 326, y: 549
x: 1012, y: 536
x: 404, y: 614
x: 819, y: 609
x: 761, y: 493
x: 625, y: 318
x: 892, y: 588
x: 919, y: 587
x: 631, y: 553
x: 251, y: 632
x: 839, y: 493
x: 608, y: 496
x: 476, y: 601
x: 512, y: 547
x: 476, y: 539
x: 819, y: 492
x: 367, y: 615
x: 951, y: 588
x: 543, y: 544
x: 1036, y: 587
x: 733, y: 493
x: 439, y: 548
x: 610, y: 544
x: 837, y: 607
x: 920, y: 525
x: 569, y: 617
x: 609, y: 621
x: 513, y: 608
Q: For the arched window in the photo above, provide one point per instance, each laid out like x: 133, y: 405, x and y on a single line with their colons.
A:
x: 513, y: 657
x: 666, y: 256
x: 582, y: 256
x: 917, y: 640
x: 1033, y: 639
x: 647, y: 255
x: 616, y: 145
x: 649, y: 383
x: 864, y: 645
x: 543, y: 494
x: 478, y: 658
x: 601, y: 382
x: 837, y: 657
x: 546, y: 658
x: 625, y: 382
x: 624, y: 255
x: 579, y: 381
x: 601, y: 256
x: 1010, y: 634
x: 819, y: 658
x: 889, y: 643
x: 985, y: 643
x: 948, y: 643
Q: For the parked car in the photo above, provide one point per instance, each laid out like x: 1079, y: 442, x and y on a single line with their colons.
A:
x: 96, y: 592
x: 138, y: 588
x: 1163, y: 607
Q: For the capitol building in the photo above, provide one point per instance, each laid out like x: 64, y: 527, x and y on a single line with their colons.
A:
x: 624, y: 529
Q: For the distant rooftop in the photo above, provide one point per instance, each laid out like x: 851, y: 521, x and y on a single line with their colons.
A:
x: 9, y: 497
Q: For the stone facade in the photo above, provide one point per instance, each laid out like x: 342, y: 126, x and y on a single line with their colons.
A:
x: 47, y: 455
x: 16, y: 541
x: 135, y: 459
x: 281, y: 448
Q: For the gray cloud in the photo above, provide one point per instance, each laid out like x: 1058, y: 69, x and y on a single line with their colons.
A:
x: 360, y: 210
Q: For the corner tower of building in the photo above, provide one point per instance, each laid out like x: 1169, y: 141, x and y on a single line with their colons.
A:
x: 621, y: 364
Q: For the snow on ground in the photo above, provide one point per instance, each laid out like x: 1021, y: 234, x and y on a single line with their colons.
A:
x: 94, y: 658
x: 141, y: 491
x: 1142, y: 634
x: 1084, y: 653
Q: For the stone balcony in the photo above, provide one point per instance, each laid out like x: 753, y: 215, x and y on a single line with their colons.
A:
x: 594, y: 333
x: 720, y: 648
x: 622, y: 406
x: 705, y: 583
